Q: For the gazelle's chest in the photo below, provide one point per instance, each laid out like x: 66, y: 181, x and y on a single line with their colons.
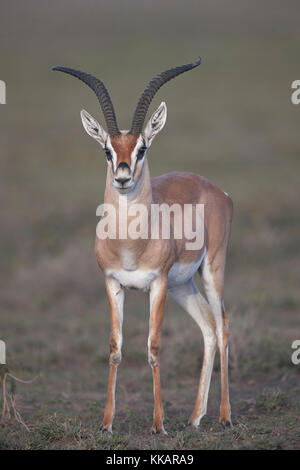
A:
x: 138, y: 279
x: 135, y: 269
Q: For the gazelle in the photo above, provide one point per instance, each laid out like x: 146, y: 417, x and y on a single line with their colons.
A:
x: 160, y: 265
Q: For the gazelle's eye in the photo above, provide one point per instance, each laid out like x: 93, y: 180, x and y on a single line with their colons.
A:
x: 141, y: 153
x: 108, y: 154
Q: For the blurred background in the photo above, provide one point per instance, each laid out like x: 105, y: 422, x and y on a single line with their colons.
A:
x: 232, y: 121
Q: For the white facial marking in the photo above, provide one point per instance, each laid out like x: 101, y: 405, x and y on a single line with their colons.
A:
x: 113, y: 153
x: 139, y: 143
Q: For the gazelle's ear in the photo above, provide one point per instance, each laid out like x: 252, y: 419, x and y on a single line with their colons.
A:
x: 156, y: 122
x: 93, y: 127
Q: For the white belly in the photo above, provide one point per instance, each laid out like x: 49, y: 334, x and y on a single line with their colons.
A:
x: 142, y: 278
x: 183, y: 272
x: 137, y: 279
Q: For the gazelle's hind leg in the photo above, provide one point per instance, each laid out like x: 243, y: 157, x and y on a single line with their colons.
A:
x: 213, y: 279
x: 190, y: 299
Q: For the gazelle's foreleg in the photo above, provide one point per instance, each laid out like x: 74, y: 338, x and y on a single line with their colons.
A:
x: 191, y: 300
x: 158, y: 292
x: 213, y: 277
x: 115, y: 294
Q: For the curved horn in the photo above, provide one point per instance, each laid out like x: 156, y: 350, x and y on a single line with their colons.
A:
x: 102, y: 94
x: 150, y: 90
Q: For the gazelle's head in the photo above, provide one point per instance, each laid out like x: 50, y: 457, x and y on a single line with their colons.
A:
x: 126, y: 150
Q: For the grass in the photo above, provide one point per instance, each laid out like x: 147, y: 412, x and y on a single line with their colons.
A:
x: 231, y: 121
x: 254, y: 431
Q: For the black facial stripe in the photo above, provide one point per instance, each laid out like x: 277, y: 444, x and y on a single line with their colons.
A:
x: 123, y: 165
x: 108, y: 154
x: 141, y: 153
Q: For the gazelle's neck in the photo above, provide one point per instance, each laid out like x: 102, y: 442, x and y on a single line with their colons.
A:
x: 141, y: 194
x: 130, y: 249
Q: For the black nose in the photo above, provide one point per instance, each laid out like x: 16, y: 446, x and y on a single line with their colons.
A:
x: 122, y: 180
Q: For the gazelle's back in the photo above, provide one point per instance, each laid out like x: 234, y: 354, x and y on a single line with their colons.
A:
x: 186, y: 188
x: 190, y: 188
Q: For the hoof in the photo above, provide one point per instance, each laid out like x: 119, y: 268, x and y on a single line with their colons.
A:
x: 192, y: 424
x: 105, y: 428
x: 226, y: 423
x: 158, y: 430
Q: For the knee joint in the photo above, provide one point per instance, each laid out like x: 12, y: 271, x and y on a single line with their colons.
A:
x: 115, y: 352
x: 153, y: 353
x: 115, y: 358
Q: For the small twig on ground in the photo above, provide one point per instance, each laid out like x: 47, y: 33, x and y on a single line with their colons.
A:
x: 6, y: 409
